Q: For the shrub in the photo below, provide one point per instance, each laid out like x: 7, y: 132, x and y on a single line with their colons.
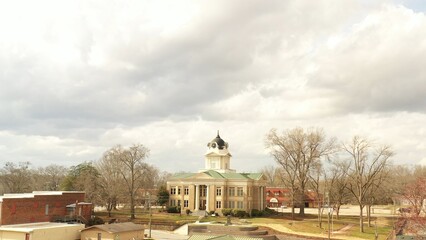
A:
x: 227, y: 211
x: 187, y: 211
x: 95, y: 221
x: 211, y: 212
x: 256, y: 213
x: 239, y: 213
x: 268, y: 210
x: 175, y: 209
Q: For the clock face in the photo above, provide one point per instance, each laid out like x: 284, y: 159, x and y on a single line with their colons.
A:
x: 213, y: 145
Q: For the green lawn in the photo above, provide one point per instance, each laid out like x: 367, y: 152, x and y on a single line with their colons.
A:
x: 308, y: 224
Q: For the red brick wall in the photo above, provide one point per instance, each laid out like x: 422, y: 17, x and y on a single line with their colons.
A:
x: 27, y: 210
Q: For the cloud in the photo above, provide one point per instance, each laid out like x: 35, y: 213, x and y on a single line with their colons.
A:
x: 82, y: 76
x: 377, y: 65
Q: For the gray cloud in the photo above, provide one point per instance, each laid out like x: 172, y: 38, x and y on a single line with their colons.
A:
x: 87, y: 75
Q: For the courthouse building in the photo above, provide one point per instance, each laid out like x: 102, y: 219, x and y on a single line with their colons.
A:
x: 217, y: 186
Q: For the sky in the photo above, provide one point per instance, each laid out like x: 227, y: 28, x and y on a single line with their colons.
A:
x: 79, y: 77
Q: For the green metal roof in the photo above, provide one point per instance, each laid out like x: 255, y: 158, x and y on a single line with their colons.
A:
x: 182, y: 175
x: 217, y: 175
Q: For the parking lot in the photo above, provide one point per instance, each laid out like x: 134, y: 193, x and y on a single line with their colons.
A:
x: 350, y: 210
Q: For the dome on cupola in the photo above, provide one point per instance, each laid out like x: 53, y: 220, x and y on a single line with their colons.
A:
x: 217, y: 142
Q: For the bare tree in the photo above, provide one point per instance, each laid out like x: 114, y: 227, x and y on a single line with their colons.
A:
x: 110, y: 179
x: 317, y: 172
x: 48, y: 178
x: 16, y: 178
x: 367, y: 165
x: 337, y: 184
x: 132, y: 170
x: 415, y: 194
x: 271, y: 173
x: 296, y: 150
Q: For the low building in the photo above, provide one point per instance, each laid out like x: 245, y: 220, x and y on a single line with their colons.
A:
x: 281, y: 197
x: 43, y: 206
x: 217, y: 186
x: 41, y: 231
x: 122, y: 231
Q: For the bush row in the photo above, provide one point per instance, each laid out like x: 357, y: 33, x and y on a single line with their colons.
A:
x: 174, y: 209
x: 241, y: 213
x: 234, y: 212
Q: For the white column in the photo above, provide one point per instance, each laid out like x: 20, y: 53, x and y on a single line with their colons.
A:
x: 207, y: 198
x: 197, y: 197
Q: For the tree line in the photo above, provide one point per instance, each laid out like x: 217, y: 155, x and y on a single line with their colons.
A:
x: 116, y: 178
x: 357, y: 171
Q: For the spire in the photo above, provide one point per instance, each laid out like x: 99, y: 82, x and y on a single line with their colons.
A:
x: 218, y: 134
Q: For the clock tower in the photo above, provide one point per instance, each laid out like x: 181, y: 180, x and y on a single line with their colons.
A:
x: 218, y: 157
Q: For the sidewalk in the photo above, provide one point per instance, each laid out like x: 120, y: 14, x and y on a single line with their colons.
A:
x: 281, y: 228
x: 165, y: 235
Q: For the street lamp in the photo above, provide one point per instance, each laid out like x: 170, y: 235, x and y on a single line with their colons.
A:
x: 150, y: 213
x: 329, y: 210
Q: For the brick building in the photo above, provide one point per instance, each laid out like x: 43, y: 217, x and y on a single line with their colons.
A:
x: 278, y: 196
x: 43, y: 206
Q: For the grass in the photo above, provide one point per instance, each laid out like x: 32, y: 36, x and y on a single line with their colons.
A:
x: 308, y: 224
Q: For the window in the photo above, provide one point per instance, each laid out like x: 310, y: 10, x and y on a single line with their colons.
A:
x: 99, y: 236
x: 185, y: 203
x: 218, y: 204
x: 277, y: 193
x: 172, y: 190
x: 214, y: 164
x: 219, y: 191
x: 240, y: 204
x: 186, y: 191
x: 231, y: 204
x: 172, y: 202
x: 178, y: 202
x: 240, y: 192
x: 178, y: 191
x: 231, y: 191
x: 203, y: 191
x: 267, y: 193
x: 46, y: 210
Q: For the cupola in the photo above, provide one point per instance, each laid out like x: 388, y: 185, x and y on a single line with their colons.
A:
x: 218, y: 157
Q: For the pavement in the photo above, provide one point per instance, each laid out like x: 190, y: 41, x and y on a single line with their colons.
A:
x: 345, y: 210
x: 165, y: 235
x: 351, y: 210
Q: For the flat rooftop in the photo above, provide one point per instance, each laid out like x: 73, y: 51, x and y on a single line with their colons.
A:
x: 30, y: 227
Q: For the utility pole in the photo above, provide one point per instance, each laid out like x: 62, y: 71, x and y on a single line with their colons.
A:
x: 150, y: 214
x: 328, y: 206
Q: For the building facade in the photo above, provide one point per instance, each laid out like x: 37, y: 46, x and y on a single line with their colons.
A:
x: 281, y: 197
x: 41, y: 231
x: 217, y: 186
x: 43, y: 206
x: 122, y: 231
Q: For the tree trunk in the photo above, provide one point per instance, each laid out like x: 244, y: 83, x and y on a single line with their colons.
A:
x: 302, y: 205
x: 361, y: 220
x: 302, y: 210
x: 369, y: 215
x: 132, y: 206
x: 319, y: 216
x: 337, y: 211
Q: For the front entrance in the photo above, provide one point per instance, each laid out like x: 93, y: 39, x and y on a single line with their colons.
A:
x: 203, y: 204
